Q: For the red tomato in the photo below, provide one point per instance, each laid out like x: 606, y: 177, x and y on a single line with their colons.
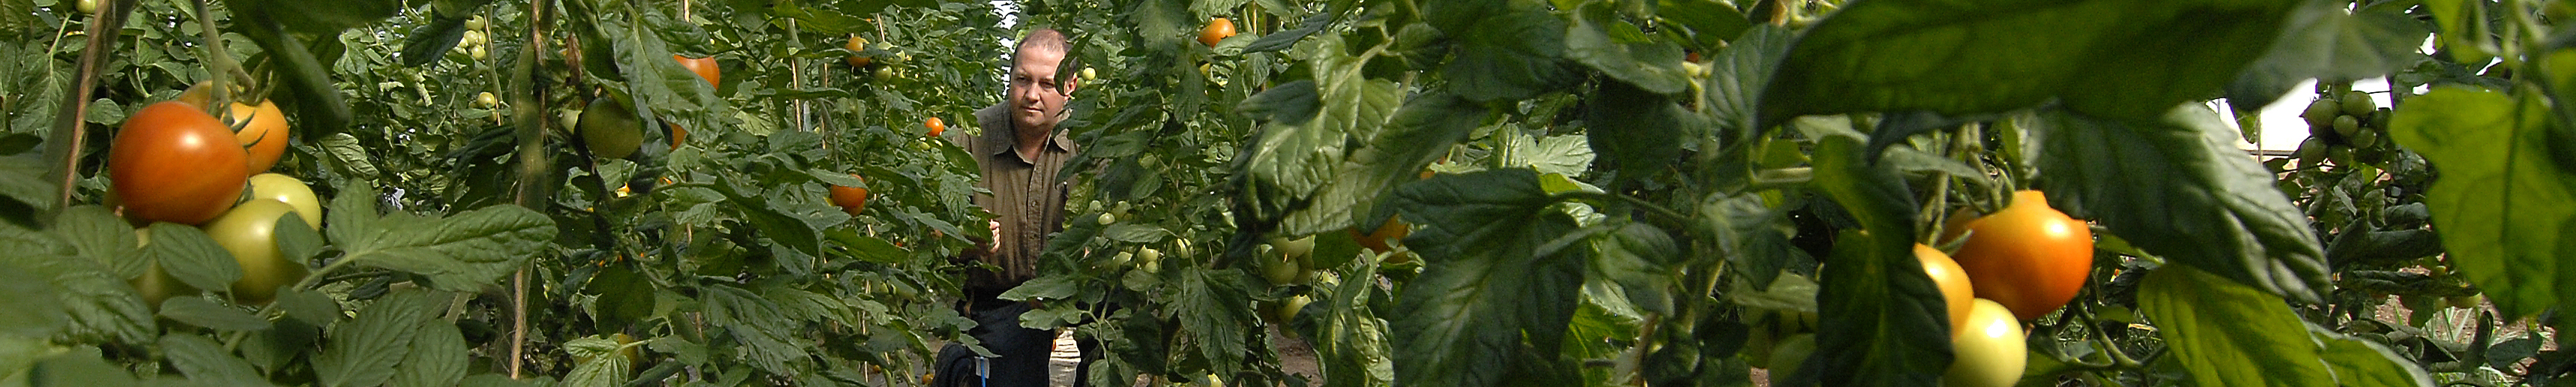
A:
x: 2028, y: 257
x: 936, y: 126
x: 173, y: 163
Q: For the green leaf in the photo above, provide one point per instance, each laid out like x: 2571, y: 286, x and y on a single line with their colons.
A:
x: 364, y: 351
x: 1132, y: 232
x: 82, y: 366
x: 2324, y: 41
x: 437, y: 356
x: 296, y: 241
x: 36, y: 312
x: 1348, y: 337
x: 1883, y: 320
x: 1637, y: 131
x: 1598, y: 38
x: 2178, y: 187
x: 778, y: 225
x: 1561, y: 155
x: 101, y: 306
x: 2361, y: 362
x: 192, y: 257
x: 323, y: 17
x: 2501, y: 204
x: 1288, y: 163
x: 1638, y: 258
x: 1212, y: 310
x: 101, y: 236
x: 1736, y: 77
x: 199, y: 312
x: 600, y: 365
x: 1515, y: 54
x: 426, y: 43
x: 1423, y: 130
x: 2224, y: 333
x: 23, y: 186
x: 311, y: 307
x: 345, y: 153
x: 465, y: 252
x: 2110, y: 58
x: 1056, y: 287
x: 207, y: 363
x: 1495, y: 272
x: 758, y: 324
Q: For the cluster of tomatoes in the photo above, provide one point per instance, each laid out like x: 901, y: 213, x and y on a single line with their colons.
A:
x: 475, y: 44
x: 173, y: 162
x: 2344, y: 129
x: 2017, y: 264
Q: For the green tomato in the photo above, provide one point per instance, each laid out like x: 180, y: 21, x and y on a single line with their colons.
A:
x: 475, y: 23
x: 2311, y: 151
x: 2365, y: 138
x: 156, y: 284
x: 1288, y: 308
x: 294, y: 193
x: 89, y: 7
x: 1108, y: 219
x: 2358, y: 103
x: 1991, y: 351
x: 611, y: 129
x: 2321, y: 114
x: 2346, y: 125
x: 1276, y: 266
x: 249, y: 232
x: 1149, y: 254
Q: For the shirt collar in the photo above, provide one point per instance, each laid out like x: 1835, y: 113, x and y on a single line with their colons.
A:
x: 1004, y: 142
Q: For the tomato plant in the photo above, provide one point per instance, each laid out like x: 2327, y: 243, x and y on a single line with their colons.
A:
x: 1340, y: 193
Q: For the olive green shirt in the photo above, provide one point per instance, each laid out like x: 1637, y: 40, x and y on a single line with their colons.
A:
x: 1026, y: 194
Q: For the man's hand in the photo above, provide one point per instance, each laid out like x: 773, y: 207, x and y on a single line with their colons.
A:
x: 995, y: 246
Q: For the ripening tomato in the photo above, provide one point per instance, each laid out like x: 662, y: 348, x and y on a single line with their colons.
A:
x: 705, y: 67
x: 855, y: 45
x: 851, y: 199
x: 249, y: 232
x: 262, y: 132
x: 1955, y: 290
x: 936, y: 126
x: 2028, y: 257
x: 173, y: 163
x: 1992, y: 353
x: 289, y: 190
x: 1217, y: 30
x: 1385, y: 237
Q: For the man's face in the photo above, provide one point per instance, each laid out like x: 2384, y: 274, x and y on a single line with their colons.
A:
x: 1037, y: 101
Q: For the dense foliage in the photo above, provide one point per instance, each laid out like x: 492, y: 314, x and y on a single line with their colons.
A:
x: 1432, y: 193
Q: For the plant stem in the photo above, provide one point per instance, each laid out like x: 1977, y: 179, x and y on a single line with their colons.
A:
x: 70, y: 135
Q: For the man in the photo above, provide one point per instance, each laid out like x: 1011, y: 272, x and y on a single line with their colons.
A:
x: 1021, y: 152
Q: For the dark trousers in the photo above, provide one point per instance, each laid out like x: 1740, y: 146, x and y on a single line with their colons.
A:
x: 1020, y: 353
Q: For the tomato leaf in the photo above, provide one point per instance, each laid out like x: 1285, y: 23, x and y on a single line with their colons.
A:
x: 2361, y: 362
x: 1486, y: 283
x: 437, y: 356
x: 2110, y: 58
x: 190, y: 256
x: 2223, y: 332
x: 1736, y: 77
x: 1638, y: 131
x: 464, y: 252
x: 2175, y: 187
x: 1348, y: 336
x: 1422, y: 130
x: 103, y: 237
x: 2500, y: 205
x: 206, y: 362
x: 365, y: 350
x: 1598, y: 38
x: 428, y: 41
x: 600, y: 365
x: 23, y: 188
x: 1287, y: 163
x: 1210, y: 306
x: 1882, y: 320
x: 199, y: 312
x: 1516, y: 54
x: 758, y: 325
x: 2323, y: 41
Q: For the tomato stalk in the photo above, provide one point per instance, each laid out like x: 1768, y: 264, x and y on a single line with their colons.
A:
x: 68, y: 123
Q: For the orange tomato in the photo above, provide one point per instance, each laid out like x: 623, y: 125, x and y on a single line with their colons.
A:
x: 856, y: 44
x: 936, y: 127
x: 851, y: 199
x: 173, y: 163
x: 2028, y: 257
x: 262, y: 132
x: 1216, y: 30
x: 1953, y: 281
x: 705, y: 67
x: 1384, y: 238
